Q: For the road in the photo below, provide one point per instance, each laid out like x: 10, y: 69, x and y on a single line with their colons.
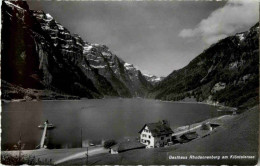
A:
x: 82, y: 155
x: 197, y: 126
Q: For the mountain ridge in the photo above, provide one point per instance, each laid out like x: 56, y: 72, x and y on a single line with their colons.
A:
x: 43, y: 54
x: 226, y: 73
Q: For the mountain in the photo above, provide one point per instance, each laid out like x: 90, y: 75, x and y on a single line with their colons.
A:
x: 124, y: 77
x: 227, y: 73
x: 41, y: 59
x: 39, y: 53
x: 153, y: 79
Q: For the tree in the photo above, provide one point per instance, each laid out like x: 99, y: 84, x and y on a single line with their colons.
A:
x: 109, y: 143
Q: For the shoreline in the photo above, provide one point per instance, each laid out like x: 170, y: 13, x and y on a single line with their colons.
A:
x: 82, y: 99
x: 198, y: 102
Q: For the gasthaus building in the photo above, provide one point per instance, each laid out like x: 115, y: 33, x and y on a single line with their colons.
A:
x: 156, y: 134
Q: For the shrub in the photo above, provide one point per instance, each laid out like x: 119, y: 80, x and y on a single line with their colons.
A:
x: 8, y: 159
x: 205, y: 126
x: 109, y: 143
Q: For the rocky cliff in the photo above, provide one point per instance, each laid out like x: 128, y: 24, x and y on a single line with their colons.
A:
x: 124, y: 77
x: 40, y: 53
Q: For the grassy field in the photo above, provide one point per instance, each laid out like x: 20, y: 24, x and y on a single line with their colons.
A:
x: 57, y: 155
x: 237, y: 136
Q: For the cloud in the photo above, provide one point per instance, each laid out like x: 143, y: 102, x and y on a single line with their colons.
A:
x: 236, y: 14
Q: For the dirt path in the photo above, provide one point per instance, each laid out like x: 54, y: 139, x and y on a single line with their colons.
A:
x: 82, y: 155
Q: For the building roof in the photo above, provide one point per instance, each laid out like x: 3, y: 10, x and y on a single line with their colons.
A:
x: 124, y: 146
x: 159, y: 128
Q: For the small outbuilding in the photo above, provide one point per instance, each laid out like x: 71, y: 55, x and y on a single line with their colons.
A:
x: 188, y: 137
x: 214, y: 125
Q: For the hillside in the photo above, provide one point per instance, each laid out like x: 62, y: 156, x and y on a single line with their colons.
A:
x: 39, y: 53
x: 227, y: 73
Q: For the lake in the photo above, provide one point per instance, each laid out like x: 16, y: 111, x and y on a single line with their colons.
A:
x: 98, y: 119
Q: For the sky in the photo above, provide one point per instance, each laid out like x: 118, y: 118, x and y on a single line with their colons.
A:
x: 157, y: 37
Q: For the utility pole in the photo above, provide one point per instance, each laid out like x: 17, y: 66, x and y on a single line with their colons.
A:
x: 20, y: 147
x: 87, y: 157
x: 81, y: 136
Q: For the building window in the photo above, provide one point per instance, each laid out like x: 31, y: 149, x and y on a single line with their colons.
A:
x: 149, y: 136
x: 162, y: 138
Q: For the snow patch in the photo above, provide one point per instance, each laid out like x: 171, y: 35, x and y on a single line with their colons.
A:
x: 65, y: 46
x: 148, y: 75
x: 87, y: 48
x: 157, y: 79
x: 64, y: 33
x: 98, y: 67
x: 12, y: 5
x: 67, y: 50
x: 45, y: 27
x: 106, y: 54
x: 241, y: 36
x: 152, y: 78
x: 49, y: 17
x: 95, y: 44
x: 128, y: 65
x: 60, y: 27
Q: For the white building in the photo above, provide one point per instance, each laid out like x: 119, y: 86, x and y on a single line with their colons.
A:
x: 156, y: 134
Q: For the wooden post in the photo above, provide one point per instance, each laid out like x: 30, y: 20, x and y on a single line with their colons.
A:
x: 43, y: 134
x: 87, y: 157
x: 20, y: 147
x: 81, y: 136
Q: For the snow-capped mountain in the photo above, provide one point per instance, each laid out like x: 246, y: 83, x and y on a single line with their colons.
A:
x: 153, y: 79
x: 40, y: 53
x: 124, y: 77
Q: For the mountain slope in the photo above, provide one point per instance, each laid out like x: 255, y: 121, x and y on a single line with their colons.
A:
x: 39, y: 53
x: 30, y: 58
x: 227, y: 73
x: 124, y: 77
